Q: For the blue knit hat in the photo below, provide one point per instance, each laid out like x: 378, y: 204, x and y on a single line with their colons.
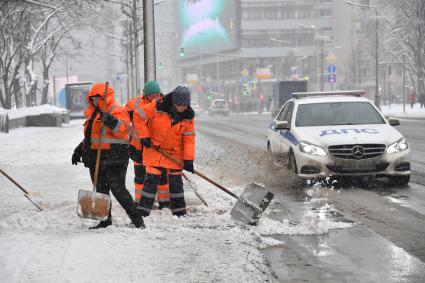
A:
x: 181, y: 95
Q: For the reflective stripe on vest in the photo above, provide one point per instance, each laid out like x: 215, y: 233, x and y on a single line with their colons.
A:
x: 188, y: 133
x: 117, y: 126
x: 137, y: 102
x: 133, y: 131
x: 141, y: 113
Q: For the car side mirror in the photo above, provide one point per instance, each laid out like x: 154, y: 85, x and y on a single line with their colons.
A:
x: 394, y: 121
x: 282, y: 125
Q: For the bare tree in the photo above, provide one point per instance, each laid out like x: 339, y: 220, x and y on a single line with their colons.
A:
x: 408, y: 30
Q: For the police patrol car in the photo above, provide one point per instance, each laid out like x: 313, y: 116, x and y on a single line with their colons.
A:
x: 339, y: 134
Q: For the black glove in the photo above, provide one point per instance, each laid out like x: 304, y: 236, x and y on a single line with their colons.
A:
x: 109, y: 120
x: 78, y: 153
x: 188, y: 166
x: 146, y: 142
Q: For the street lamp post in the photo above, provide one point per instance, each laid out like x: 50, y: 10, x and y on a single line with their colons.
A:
x: 281, y: 41
x: 373, y: 9
x: 320, y: 74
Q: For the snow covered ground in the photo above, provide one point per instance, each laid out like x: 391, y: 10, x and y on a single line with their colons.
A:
x: 397, y: 110
x: 56, y: 246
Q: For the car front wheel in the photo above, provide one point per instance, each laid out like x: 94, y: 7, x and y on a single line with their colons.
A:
x: 399, y: 180
x: 292, y: 163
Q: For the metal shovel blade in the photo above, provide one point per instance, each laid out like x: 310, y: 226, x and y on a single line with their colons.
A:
x: 251, y: 204
x: 93, y: 205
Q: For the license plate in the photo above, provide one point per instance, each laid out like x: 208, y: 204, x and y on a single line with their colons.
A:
x: 358, y: 166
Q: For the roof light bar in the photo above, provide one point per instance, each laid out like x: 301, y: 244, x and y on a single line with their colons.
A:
x: 356, y: 93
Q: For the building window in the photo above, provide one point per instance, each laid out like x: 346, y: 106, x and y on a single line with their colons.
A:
x: 325, y: 13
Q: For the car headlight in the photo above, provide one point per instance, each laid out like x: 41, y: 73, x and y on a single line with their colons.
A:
x: 311, y: 149
x: 398, y: 146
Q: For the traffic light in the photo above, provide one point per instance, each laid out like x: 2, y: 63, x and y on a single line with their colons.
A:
x: 181, y: 51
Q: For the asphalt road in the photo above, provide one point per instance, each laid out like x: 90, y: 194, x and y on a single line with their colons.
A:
x: 386, y: 243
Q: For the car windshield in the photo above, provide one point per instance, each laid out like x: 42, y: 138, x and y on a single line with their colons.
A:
x: 337, y: 113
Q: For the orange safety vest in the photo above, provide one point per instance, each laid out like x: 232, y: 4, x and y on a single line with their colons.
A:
x: 177, y: 140
x: 131, y: 106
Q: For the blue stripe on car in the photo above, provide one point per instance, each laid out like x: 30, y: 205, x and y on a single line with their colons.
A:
x: 286, y: 134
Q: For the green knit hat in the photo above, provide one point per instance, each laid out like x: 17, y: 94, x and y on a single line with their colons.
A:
x: 151, y: 87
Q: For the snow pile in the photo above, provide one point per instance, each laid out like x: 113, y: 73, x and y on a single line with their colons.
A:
x: 32, y: 111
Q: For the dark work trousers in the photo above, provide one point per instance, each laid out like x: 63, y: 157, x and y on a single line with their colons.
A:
x: 112, y: 179
x: 150, y: 186
x: 139, y: 178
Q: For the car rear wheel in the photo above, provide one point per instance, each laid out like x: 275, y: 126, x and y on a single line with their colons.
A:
x: 399, y: 180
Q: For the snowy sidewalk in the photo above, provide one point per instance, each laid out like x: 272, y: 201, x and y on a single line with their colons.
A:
x: 56, y: 246
x: 396, y: 110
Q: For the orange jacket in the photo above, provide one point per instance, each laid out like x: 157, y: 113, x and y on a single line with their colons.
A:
x: 118, y: 135
x: 177, y: 139
x: 131, y: 106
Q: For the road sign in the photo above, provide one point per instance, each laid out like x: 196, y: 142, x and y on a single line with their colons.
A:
x: 332, y: 78
x: 331, y: 58
x: 263, y: 73
x: 331, y: 69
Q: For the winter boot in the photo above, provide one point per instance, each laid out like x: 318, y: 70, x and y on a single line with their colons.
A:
x: 165, y: 204
x: 139, y: 224
x: 102, y: 224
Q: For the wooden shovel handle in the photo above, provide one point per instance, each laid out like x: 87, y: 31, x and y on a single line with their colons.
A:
x: 181, y: 163
x: 22, y: 189
x: 99, y: 146
x: 13, y: 181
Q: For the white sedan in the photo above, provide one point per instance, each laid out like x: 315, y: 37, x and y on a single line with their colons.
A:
x: 339, y: 134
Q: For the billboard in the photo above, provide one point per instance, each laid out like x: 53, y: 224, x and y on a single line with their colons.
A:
x: 207, y: 26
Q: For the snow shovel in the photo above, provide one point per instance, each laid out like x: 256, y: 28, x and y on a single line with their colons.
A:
x: 195, y: 190
x: 91, y: 204
x: 32, y: 197
x: 249, y: 207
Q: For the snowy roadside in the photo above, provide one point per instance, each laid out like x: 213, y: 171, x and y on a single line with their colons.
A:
x: 396, y: 110
x: 30, y: 111
x: 56, y: 245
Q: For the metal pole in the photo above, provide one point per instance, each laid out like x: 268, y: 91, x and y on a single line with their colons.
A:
x: 136, y: 47
x: 389, y: 92
x: 130, y: 51
x: 321, y: 65
x: 149, y: 40
x: 54, y: 90
x: 127, y: 69
x: 218, y: 73
x: 404, y: 83
x: 66, y: 64
x: 377, y: 95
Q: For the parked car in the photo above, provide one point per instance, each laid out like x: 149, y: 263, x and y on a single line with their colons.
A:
x: 219, y: 106
x: 328, y: 134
